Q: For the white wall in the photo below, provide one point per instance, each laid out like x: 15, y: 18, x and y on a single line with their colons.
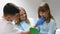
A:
x: 30, y: 6
x: 55, y: 10
x: 3, y: 2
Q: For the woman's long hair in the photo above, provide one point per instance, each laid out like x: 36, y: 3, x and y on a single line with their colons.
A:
x: 45, y: 7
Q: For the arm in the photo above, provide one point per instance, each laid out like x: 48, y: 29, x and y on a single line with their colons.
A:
x: 25, y: 32
x: 39, y: 22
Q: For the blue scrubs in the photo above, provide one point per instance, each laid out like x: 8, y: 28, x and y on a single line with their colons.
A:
x: 47, y: 28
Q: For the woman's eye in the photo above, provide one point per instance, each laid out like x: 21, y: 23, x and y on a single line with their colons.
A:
x: 21, y: 14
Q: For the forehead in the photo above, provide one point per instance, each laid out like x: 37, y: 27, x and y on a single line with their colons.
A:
x: 22, y: 11
x: 43, y: 12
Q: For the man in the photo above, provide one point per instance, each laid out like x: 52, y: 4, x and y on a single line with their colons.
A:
x: 9, y: 12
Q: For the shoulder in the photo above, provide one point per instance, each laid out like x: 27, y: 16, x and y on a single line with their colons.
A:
x: 31, y: 21
x: 30, y: 18
x: 52, y: 22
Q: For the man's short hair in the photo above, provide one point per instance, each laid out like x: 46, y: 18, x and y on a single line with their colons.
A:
x: 10, y: 9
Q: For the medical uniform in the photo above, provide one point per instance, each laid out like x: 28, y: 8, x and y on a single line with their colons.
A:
x: 6, y: 27
x: 47, y: 28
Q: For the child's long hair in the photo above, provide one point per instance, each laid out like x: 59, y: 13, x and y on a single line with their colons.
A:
x: 18, y: 20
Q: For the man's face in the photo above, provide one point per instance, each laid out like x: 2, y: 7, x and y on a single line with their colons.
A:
x: 13, y: 17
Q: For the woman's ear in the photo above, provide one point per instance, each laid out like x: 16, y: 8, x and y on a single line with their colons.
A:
x: 16, y: 16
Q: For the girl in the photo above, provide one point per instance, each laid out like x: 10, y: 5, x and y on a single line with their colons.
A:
x: 22, y: 23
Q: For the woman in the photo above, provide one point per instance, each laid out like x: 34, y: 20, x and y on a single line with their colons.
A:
x: 22, y: 22
x: 49, y: 26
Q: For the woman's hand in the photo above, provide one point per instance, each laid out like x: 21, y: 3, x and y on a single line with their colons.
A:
x: 40, y: 21
x: 25, y: 32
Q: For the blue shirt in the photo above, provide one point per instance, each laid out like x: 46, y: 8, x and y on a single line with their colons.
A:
x: 47, y: 28
x: 24, y: 26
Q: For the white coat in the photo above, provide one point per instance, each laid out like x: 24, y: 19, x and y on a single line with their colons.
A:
x: 6, y: 27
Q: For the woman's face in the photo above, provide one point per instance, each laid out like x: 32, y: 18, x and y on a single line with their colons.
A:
x: 22, y: 15
x: 45, y: 14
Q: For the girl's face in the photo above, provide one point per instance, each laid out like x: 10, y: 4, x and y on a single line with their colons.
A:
x: 22, y: 15
x: 45, y: 14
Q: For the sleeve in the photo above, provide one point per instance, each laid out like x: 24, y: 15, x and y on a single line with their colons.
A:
x: 18, y: 28
x: 52, y: 28
x: 16, y: 31
x: 7, y: 28
x: 38, y: 28
x: 13, y: 29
